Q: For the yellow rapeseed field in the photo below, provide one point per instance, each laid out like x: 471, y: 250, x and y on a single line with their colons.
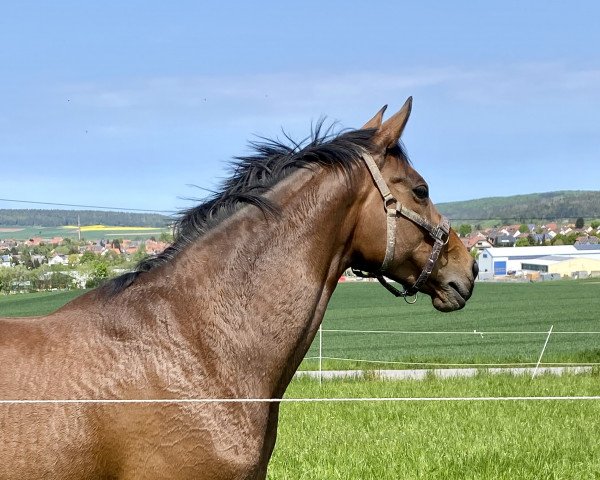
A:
x: 99, y: 228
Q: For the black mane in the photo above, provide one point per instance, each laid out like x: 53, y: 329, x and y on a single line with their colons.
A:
x: 252, y: 177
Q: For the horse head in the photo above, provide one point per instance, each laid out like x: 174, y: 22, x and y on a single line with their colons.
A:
x: 400, y: 233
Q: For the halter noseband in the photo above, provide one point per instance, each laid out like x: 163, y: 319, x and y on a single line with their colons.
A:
x: 440, y: 233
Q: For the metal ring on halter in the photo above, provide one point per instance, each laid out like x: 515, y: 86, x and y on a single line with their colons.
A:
x: 411, y: 296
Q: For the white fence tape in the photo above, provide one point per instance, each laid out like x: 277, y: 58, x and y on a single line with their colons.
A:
x: 182, y: 401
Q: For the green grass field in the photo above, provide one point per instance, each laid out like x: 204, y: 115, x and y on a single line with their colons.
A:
x: 33, y: 304
x: 567, y: 305
x: 440, y: 440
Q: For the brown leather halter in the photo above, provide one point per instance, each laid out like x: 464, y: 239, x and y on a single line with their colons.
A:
x: 440, y: 233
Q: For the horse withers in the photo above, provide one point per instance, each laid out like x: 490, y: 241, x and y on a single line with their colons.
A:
x: 228, y: 311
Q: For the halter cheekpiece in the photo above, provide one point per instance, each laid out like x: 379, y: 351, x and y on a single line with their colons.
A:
x: 440, y: 233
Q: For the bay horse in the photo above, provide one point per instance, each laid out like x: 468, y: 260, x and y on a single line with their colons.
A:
x: 227, y: 311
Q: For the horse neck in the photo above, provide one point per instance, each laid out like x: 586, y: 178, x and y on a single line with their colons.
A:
x: 268, y: 281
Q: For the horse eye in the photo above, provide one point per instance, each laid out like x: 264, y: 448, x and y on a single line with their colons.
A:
x: 421, y: 191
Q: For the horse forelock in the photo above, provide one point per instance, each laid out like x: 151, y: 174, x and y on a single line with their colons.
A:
x: 252, y: 177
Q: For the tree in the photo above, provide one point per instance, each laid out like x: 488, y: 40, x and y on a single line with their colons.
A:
x: 522, y: 242
x: 112, y: 257
x: 140, y: 254
x: 523, y: 228
x: 166, y: 237
x: 565, y: 239
x: 26, y: 259
x: 60, y: 280
x: 5, y: 279
x: 464, y: 230
x: 88, y: 257
x: 100, y: 269
x: 579, y: 223
x: 42, y: 249
x: 98, y: 274
x: 62, y: 250
x: 17, y: 278
x: 595, y: 224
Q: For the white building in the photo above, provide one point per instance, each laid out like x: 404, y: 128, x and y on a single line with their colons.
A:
x: 59, y: 260
x: 5, y: 260
x: 561, y: 266
x: 499, y: 261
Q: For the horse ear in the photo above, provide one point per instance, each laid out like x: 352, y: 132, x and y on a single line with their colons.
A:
x: 375, y: 122
x: 389, y: 133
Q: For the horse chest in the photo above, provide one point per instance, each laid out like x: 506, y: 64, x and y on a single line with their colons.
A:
x: 133, y: 441
x: 191, y: 441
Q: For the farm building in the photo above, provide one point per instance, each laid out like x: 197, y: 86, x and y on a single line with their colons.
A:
x: 498, y: 261
x: 570, y: 266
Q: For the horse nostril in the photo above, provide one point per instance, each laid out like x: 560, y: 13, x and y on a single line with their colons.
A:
x: 475, y: 269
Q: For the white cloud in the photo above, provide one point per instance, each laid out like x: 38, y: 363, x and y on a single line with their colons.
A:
x: 307, y: 92
x: 288, y: 88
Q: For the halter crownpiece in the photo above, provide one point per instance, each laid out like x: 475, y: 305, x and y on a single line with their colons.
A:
x: 440, y: 233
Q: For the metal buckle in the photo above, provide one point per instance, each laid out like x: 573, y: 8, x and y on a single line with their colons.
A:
x: 388, y: 200
x: 441, y: 232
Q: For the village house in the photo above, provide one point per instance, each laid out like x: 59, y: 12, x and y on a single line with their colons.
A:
x: 586, y: 240
x: 501, y: 238
x: 58, y: 260
x: 34, y: 242
x: 154, y: 248
x: 5, y: 260
x: 476, y: 240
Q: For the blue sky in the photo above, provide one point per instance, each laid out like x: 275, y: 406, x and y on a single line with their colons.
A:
x: 127, y: 104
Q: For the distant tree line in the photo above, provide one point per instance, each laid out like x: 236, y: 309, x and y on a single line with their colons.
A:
x: 521, y: 208
x: 59, y: 218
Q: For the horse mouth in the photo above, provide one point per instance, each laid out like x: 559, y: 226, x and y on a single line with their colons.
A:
x: 451, y: 297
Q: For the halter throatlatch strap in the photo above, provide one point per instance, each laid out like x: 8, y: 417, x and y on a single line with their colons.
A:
x: 440, y: 233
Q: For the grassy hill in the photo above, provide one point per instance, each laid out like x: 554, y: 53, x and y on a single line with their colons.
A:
x: 522, y: 208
